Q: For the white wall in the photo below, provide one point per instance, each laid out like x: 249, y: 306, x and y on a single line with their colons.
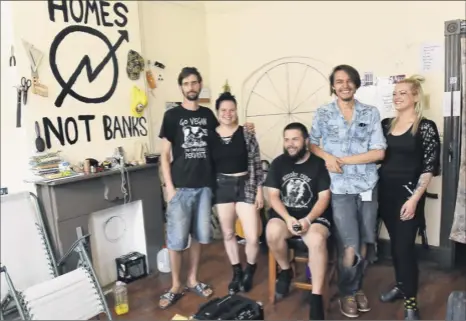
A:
x: 382, y: 37
x: 30, y: 21
x: 14, y: 150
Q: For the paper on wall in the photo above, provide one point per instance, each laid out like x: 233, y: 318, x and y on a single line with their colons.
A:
x: 447, y: 103
x: 385, y: 95
x: 380, y: 96
x: 431, y: 57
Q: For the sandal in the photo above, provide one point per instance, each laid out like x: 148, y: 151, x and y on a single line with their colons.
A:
x: 199, y: 289
x: 171, y: 297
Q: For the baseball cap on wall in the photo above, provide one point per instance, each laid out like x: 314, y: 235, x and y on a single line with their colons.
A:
x: 138, y: 102
x: 135, y: 65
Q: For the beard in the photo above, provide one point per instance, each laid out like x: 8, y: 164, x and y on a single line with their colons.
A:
x: 296, y: 157
x: 192, y: 96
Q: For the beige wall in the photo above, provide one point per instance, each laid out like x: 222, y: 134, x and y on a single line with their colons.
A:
x: 225, y: 40
x: 30, y: 21
x: 174, y: 34
x: 171, y: 32
x: 382, y: 37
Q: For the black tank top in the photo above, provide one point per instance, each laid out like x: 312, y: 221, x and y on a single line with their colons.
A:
x: 229, y: 154
x: 403, y: 157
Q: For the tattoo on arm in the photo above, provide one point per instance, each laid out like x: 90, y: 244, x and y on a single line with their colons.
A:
x: 422, y: 184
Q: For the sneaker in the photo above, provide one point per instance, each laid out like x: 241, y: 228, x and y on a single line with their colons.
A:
x: 349, y: 307
x: 362, y: 302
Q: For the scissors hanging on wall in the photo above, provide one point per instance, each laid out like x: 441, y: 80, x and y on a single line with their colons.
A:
x: 25, y: 85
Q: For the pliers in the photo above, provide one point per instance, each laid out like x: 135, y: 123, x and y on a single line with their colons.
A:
x: 12, y: 57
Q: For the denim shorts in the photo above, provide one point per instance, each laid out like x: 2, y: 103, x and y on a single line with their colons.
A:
x: 189, y: 213
x: 231, y: 189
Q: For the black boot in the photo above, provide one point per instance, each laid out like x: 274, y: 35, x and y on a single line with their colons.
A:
x: 394, y: 294
x: 246, y: 284
x: 282, y: 285
x: 317, y: 308
x: 235, y: 283
x: 411, y: 310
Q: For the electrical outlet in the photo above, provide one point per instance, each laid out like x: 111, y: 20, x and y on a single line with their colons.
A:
x: 4, y: 191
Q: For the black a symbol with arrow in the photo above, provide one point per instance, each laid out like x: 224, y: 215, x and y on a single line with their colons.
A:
x: 85, y: 63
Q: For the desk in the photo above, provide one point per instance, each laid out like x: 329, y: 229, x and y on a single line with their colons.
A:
x: 68, y: 202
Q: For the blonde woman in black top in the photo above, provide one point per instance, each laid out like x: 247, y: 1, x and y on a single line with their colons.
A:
x: 411, y: 160
x: 238, y: 191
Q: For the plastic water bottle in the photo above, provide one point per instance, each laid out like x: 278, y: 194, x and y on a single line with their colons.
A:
x: 120, y: 293
x: 163, y: 261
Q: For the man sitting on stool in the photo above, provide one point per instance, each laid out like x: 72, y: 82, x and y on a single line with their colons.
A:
x: 298, y: 184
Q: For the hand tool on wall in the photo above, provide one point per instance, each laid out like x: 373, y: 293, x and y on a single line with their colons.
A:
x: 37, y: 87
x: 35, y: 57
x: 12, y: 57
x: 25, y: 85
x: 18, y: 106
x: 40, y: 143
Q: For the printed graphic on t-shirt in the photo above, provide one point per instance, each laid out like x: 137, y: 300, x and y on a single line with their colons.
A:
x: 296, y: 190
x: 194, y: 137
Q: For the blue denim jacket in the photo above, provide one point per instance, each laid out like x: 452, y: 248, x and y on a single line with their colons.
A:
x: 342, y: 139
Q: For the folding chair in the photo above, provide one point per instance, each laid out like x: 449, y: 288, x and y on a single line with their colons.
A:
x: 30, y: 272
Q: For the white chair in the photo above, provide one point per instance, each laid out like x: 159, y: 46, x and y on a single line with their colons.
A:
x: 29, y: 271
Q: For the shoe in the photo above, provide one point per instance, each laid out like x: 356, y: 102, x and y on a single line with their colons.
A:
x: 349, y: 307
x: 234, y: 286
x: 362, y: 302
x: 246, y: 283
x: 412, y: 314
x: 393, y: 295
x: 282, y: 285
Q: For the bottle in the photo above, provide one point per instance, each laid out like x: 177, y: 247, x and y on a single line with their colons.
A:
x: 120, y: 293
x: 163, y: 261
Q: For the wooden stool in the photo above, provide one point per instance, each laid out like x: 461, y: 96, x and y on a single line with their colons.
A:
x: 298, y: 253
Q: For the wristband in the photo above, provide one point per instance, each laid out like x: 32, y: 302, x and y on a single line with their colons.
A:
x: 308, y: 220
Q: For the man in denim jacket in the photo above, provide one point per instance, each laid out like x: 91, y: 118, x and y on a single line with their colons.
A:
x: 352, y: 143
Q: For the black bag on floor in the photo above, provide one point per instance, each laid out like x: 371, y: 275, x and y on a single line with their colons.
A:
x: 456, y: 306
x: 230, y: 307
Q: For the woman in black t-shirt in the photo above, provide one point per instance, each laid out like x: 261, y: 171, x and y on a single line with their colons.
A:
x: 238, y: 191
x: 411, y: 160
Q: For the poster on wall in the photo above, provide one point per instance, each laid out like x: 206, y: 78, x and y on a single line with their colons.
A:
x: 80, y: 20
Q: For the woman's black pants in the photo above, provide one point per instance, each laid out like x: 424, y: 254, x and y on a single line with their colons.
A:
x: 392, y: 196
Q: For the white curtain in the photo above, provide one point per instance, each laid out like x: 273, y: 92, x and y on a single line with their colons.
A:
x: 458, y: 230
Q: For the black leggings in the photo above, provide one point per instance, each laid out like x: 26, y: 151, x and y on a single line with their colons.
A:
x: 392, y: 196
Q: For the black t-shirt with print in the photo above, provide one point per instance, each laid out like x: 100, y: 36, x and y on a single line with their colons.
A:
x: 187, y: 130
x: 299, y: 184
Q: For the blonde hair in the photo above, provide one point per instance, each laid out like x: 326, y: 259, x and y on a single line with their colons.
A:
x: 416, y: 82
